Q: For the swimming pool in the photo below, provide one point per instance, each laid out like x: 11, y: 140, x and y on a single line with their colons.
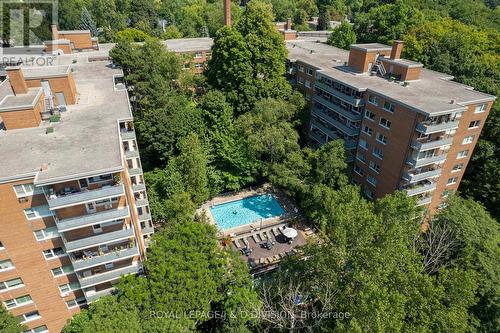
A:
x: 244, y: 211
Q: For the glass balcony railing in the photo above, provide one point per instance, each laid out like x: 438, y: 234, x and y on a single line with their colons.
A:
x: 354, y: 100
x: 92, y: 219
x: 107, y: 276
x: 111, y: 256
x: 427, y: 145
x: 426, y: 160
x: 429, y: 127
x: 337, y: 108
x: 98, y: 239
x: 94, y: 296
x: 68, y: 199
x: 413, y: 177
x: 421, y: 188
x: 138, y: 187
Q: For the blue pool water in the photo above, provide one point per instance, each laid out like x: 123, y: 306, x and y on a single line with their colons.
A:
x: 252, y: 209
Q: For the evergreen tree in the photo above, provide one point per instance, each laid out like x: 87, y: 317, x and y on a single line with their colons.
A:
x: 87, y: 23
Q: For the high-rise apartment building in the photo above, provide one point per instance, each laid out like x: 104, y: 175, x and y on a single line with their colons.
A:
x: 405, y: 127
x: 74, y: 215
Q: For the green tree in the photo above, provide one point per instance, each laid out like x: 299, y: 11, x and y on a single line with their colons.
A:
x: 87, y: 23
x: 132, y: 35
x: 260, y: 53
x: 171, y: 32
x: 342, y: 36
x: 143, y: 11
x: 9, y: 323
x: 105, y: 315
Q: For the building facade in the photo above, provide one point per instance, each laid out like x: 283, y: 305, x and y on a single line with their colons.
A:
x: 404, y: 127
x: 74, y: 214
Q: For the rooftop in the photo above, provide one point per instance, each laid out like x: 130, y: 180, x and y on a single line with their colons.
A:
x: 372, y: 47
x: 431, y: 94
x: 69, y: 32
x: 86, y: 140
x: 45, y: 72
x: 189, y: 44
x: 21, y: 102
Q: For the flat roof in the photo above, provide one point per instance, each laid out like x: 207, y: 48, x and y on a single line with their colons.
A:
x: 45, y: 72
x: 57, y: 41
x: 85, y: 142
x: 22, y: 101
x: 372, y: 47
x: 72, y: 32
x: 189, y: 44
x: 432, y: 93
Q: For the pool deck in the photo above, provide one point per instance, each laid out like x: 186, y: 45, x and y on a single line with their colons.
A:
x: 291, y: 211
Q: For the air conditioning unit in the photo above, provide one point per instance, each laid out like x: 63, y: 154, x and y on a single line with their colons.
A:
x: 23, y: 199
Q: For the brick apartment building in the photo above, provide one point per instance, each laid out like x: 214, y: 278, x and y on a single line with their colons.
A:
x: 405, y: 127
x: 74, y: 215
x: 70, y: 41
x: 194, y: 52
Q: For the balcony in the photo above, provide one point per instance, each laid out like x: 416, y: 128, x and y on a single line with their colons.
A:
x: 337, y: 124
x: 336, y: 108
x: 148, y: 230
x: 105, y: 258
x: 135, y: 171
x: 127, y: 135
x: 346, y: 98
x: 78, y: 198
x: 144, y: 217
x: 91, y: 297
x: 421, y: 146
x: 99, y: 239
x: 350, y: 144
x: 141, y: 202
x: 422, y: 188
x: 317, y: 137
x: 91, y: 219
x: 109, y: 275
x: 429, y: 128
x: 426, y: 161
x: 131, y: 153
x: 138, y: 187
x: 424, y: 201
x: 415, y: 177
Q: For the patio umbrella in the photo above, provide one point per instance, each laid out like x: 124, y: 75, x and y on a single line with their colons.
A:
x: 289, y: 232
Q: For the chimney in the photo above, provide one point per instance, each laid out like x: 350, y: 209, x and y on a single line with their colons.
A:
x: 397, y: 47
x: 55, y: 32
x: 288, y: 25
x: 17, y: 81
x: 227, y: 13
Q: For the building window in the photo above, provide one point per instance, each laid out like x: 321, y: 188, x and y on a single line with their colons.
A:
x: 300, y: 79
x: 301, y: 68
x: 385, y: 123
x: 1, y: 246
x: 26, y: 190
x: 76, y: 302
x: 481, y: 108
x: 367, y: 130
x: 38, y: 329
x: 307, y: 84
x: 198, y: 55
x: 457, y: 167
x: 101, y: 178
x: 361, y: 157
x: 371, y: 180
x: 358, y: 170
x: 309, y: 71
x: 15, y: 302
x: 374, y: 166
x: 368, y: 193
x: 452, y: 181
x: 6, y: 265
x: 474, y: 124
x: 373, y: 99
x: 377, y: 152
x: 381, y: 138
x: 64, y: 270
x: 47, y: 233
x: 468, y: 139
x: 463, y: 154
x: 37, y: 212
x: 54, y: 253
x: 369, y: 115
x: 65, y: 289
x: 33, y: 315
x: 11, y: 284
x: 388, y: 107
x: 363, y: 144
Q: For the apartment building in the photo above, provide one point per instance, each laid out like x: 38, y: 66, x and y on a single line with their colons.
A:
x: 404, y: 127
x: 70, y: 41
x: 194, y: 52
x: 74, y: 214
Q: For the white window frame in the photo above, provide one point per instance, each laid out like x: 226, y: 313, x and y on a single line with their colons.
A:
x: 387, y: 121
x: 63, y: 273
x: 374, y: 169
x: 33, y: 329
x: 371, y: 180
x: 481, y: 108
x: 475, y: 121
x: 460, y: 155
x: 459, y: 169
x: 70, y: 287
x: 377, y: 155
x: 53, y: 254
x: 8, y: 268
x: 82, y: 300
x: 366, y: 116
x: 365, y: 146
x: 46, y: 234
x: 17, y: 304
x: 468, y: 140
x: 379, y: 141
x: 374, y: 101
x: 369, y: 128
x: 309, y: 71
x: 359, y: 159
x: 28, y: 190
x: 37, y: 213
x: 198, y: 55
x: 391, y: 106
x: 28, y: 320
x: 453, y: 181
x: 7, y: 288
x: 357, y: 172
